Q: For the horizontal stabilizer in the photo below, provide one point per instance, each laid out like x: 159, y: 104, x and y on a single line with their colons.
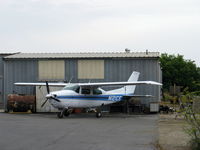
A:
x: 139, y: 96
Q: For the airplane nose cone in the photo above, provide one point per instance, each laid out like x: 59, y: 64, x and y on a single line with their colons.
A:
x: 48, y: 96
x: 51, y: 95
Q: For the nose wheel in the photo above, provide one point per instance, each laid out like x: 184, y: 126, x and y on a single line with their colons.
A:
x: 64, y: 112
x: 60, y: 115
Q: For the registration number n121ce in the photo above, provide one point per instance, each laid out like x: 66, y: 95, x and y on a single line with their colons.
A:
x: 115, y: 98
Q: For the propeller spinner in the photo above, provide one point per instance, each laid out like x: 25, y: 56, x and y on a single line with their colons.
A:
x: 49, y: 96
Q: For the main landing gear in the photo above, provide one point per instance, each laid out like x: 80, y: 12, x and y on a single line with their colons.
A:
x: 64, y: 112
x: 98, y: 113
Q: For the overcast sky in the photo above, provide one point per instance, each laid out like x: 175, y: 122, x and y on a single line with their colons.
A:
x: 171, y: 26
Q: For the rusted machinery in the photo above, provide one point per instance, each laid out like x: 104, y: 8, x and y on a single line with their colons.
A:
x: 21, y: 103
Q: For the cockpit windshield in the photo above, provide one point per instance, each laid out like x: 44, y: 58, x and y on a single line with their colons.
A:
x: 72, y: 87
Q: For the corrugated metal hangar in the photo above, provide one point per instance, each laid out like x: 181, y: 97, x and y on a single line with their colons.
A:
x: 79, y: 67
x: 2, y: 55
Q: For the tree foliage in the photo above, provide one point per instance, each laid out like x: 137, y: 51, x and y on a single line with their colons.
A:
x: 177, y: 70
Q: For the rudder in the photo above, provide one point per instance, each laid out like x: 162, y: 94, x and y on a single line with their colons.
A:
x: 130, y: 89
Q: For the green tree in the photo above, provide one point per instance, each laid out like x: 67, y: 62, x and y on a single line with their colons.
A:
x: 177, y: 70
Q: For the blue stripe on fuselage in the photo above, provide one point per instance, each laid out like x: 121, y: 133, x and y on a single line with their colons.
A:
x: 94, y: 97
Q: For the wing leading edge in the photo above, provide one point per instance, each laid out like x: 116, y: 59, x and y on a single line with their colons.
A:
x: 100, y: 84
x: 40, y: 84
x: 118, y: 83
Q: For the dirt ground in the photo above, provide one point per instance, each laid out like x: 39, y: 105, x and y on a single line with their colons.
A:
x: 171, y: 133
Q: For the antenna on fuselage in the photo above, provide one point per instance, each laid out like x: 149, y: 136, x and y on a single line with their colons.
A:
x: 70, y: 80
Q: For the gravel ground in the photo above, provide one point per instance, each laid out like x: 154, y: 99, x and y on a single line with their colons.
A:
x: 171, y: 133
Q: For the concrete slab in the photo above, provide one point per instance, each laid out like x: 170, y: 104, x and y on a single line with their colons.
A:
x: 85, y: 132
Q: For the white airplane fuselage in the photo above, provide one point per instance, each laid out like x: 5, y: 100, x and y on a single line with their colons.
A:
x: 71, y: 99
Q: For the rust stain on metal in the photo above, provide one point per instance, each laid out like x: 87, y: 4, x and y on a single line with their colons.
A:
x: 21, y: 103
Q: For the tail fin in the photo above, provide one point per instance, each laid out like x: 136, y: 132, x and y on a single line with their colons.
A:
x: 129, y: 89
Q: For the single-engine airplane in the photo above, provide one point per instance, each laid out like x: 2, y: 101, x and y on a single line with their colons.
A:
x: 89, y: 95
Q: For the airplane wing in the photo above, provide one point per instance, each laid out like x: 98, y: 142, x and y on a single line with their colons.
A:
x: 100, y: 84
x: 118, y: 83
x: 39, y: 84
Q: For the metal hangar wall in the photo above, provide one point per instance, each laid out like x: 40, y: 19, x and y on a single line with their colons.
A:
x: 2, y: 55
x: 81, y: 67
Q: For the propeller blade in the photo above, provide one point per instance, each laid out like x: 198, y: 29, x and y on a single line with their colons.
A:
x: 44, y: 103
x: 47, y: 86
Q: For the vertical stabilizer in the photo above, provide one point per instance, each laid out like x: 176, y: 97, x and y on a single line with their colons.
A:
x: 129, y: 89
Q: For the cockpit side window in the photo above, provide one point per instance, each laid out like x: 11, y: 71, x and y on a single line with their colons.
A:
x: 85, y: 91
x: 97, y: 92
x: 74, y: 88
x: 77, y: 90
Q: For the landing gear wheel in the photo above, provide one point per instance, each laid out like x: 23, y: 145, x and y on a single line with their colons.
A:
x: 60, y: 114
x: 98, y: 114
x: 66, y: 113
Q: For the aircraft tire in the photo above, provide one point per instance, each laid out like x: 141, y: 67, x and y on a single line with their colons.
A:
x: 60, y: 115
x: 98, y: 114
x: 66, y: 113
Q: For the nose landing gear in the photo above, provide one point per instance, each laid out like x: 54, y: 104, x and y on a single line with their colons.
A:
x: 64, y: 112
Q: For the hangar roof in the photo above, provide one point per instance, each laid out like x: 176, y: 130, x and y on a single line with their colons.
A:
x: 8, y: 53
x: 85, y: 55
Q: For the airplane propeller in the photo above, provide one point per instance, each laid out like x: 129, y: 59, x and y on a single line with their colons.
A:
x: 44, y: 102
x: 47, y: 98
x: 47, y: 86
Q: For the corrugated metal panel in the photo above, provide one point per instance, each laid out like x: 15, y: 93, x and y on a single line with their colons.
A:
x: 1, y: 92
x: 51, y: 70
x: 1, y: 81
x: 84, y: 55
x: 71, y: 70
x: 1, y: 67
x: 90, y: 69
x: 19, y: 71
